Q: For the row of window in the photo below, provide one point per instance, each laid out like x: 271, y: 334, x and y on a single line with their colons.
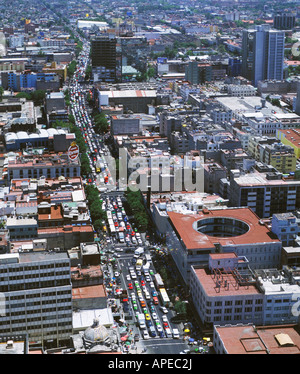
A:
x: 38, y: 295
x: 35, y: 276
x: 235, y: 302
x: 236, y: 310
x: 27, y: 286
x: 33, y: 267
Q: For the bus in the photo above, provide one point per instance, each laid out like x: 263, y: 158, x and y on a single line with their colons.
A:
x: 158, y: 281
x: 164, y: 297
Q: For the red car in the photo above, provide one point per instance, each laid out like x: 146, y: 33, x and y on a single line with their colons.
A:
x: 166, y: 325
x: 155, y: 300
x: 130, y: 286
x: 143, y: 283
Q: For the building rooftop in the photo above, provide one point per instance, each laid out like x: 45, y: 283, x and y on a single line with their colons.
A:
x: 229, y: 285
x: 88, y: 292
x: 248, y: 106
x: 129, y: 93
x: 188, y: 228
x: 292, y: 135
x: 250, y: 339
x: 256, y: 178
x: 84, y: 318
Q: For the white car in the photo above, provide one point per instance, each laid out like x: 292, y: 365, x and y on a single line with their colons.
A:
x: 154, y: 316
x: 151, y: 284
x: 163, y: 309
x: 159, y: 328
x: 145, y: 334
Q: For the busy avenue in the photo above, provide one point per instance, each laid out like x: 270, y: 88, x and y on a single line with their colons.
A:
x: 135, y: 290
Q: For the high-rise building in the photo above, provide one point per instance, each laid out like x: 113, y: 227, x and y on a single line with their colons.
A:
x: 104, y: 61
x: 38, y: 296
x: 297, y: 103
x: 198, y: 73
x: 262, y: 54
x: 284, y: 21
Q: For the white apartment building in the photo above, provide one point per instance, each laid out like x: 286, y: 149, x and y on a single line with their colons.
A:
x: 231, y: 293
x: 223, y: 295
x: 281, y: 295
x: 241, y: 90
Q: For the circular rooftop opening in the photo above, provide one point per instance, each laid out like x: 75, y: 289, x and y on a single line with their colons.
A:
x: 222, y: 227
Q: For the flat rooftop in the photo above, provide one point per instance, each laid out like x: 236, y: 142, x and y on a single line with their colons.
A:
x: 256, y: 178
x: 123, y: 94
x: 208, y: 282
x: 292, y: 135
x: 184, y: 225
x: 248, y: 104
x: 88, y: 292
x: 249, y: 339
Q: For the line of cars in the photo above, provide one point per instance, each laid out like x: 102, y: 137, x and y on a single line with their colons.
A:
x: 145, y: 299
x: 145, y: 305
x: 97, y: 150
x: 118, y: 222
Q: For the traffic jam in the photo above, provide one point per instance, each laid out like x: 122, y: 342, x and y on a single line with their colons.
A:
x: 132, y: 278
x: 132, y: 285
x: 96, y: 149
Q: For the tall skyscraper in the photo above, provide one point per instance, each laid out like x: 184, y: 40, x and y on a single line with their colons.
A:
x: 104, y: 61
x: 297, y: 105
x: 262, y: 54
x: 38, y: 296
x: 284, y: 21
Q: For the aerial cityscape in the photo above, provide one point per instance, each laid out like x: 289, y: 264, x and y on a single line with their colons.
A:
x: 150, y: 179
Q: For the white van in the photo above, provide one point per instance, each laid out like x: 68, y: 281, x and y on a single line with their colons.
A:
x: 168, y: 333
